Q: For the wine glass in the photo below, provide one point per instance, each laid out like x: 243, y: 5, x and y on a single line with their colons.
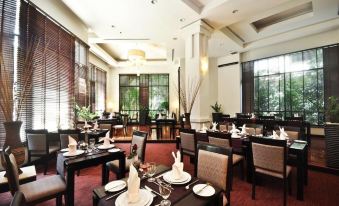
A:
x: 151, y: 169
x: 165, y: 192
x: 91, y: 145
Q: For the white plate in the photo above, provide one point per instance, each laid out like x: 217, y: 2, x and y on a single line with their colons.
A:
x: 115, y: 186
x: 236, y: 137
x: 106, y: 146
x: 168, y: 177
x: 114, y: 150
x: 145, y: 199
x: 206, y: 192
x: 64, y: 150
x: 78, y: 152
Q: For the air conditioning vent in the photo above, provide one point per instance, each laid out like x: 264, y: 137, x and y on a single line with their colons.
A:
x: 283, y: 16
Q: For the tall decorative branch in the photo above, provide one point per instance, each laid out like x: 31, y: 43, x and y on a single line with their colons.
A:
x: 7, y: 101
x: 188, y: 94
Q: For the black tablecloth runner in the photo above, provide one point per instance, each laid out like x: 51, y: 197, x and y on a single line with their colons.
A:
x: 177, y: 194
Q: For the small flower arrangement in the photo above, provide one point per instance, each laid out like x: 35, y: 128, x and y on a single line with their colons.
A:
x: 133, y: 152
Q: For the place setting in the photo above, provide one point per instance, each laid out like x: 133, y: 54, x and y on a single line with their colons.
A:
x: 72, y: 149
x: 133, y: 195
x: 106, y: 142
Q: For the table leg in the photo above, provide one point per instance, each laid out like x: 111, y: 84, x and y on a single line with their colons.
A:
x: 104, y: 176
x: 300, y: 176
x: 122, y: 162
x: 70, y: 187
x: 306, y: 166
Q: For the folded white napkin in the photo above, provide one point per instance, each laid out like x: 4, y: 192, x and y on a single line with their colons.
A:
x: 234, y: 135
x: 253, y: 116
x: 96, y: 125
x: 234, y: 129
x: 275, y: 135
x: 133, y: 183
x: 72, y: 145
x: 283, y: 134
x: 177, y: 167
x: 107, y: 140
x: 214, y: 126
x: 243, y: 129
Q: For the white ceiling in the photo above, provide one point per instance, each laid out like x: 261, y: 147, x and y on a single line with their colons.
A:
x: 153, y: 27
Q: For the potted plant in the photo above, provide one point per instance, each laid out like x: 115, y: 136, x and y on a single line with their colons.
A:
x: 187, y: 98
x: 332, y: 132
x: 84, y: 113
x: 216, y: 114
x: 13, y: 96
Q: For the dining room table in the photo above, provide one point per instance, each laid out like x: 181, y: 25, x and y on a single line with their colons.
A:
x: 67, y: 166
x: 161, y: 122
x: 297, y: 157
x: 180, y: 196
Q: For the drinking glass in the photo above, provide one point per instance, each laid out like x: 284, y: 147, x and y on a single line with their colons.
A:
x: 165, y: 192
x: 151, y: 169
x: 91, y: 146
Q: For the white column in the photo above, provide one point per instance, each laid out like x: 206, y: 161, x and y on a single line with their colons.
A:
x: 196, y: 67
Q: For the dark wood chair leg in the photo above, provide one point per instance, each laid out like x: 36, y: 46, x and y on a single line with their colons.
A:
x: 46, y: 165
x: 59, y: 200
x: 242, y: 169
x: 290, y: 184
x: 253, y: 185
x: 78, y: 173
x: 285, y: 191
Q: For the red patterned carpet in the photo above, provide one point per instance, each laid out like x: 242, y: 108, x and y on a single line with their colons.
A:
x: 323, y: 189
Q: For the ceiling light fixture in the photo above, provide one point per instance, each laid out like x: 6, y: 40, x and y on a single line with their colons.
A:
x: 154, y: 1
x: 113, y: 26
x: 235, y: 11
x: 137, y: 57
x: 182, y: 19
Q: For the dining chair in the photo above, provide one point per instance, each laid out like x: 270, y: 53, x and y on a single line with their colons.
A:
x: 254, y: 129
x: 224, y: 140
x: 106, y: 125
x: 37, y: 191
x: 64, y: 133
x: 18, y: 199
x: 188, y: 145
x: 39, y: 146
x: 139, y: 138
x: 215, y: 166
x: 293, y: 133
x: 270, y: 159
x: 122, y: 126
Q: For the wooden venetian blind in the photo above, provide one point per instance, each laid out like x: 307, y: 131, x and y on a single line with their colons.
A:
x: 97, y: 88
x: 248, y: 87
x: 50, y: 103
x: 7, y: 23
x: 81, y: 73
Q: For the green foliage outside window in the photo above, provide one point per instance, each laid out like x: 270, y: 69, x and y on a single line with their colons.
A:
x: 289, y: 85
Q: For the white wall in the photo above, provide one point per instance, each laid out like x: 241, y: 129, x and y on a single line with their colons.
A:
x: 229, y: 85
x: 62, y: 14
x: 162, y: 68
x: 318, y: 40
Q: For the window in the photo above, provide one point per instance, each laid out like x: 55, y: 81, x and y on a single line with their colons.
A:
x: 80, y: 73
x: 50, y: 102
x: 97, y: 91
x: 290, y: 85
x: 147, y: 91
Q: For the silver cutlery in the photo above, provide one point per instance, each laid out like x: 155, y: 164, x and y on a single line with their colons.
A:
x: 149, y: 189
x: 159, y: 181
x: 160, y: 175
x: 110, y: 197
x: 115, y: 186
x: 188, y: 186
x: 207, y: 184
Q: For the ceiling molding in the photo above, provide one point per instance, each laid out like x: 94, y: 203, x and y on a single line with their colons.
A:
x: 193, y: 6
x: 233, y: 36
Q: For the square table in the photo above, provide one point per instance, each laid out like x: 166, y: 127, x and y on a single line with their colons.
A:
x: 179, y: 196
x: 69, y: 165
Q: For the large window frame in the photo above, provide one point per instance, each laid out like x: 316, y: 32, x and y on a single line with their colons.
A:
x: 145, y: 86
x: 287, y: 89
